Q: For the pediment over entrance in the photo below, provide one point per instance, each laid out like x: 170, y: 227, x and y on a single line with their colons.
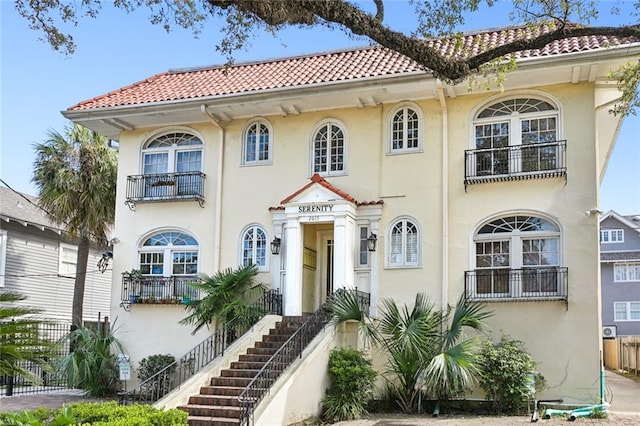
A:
x: 318, y: 191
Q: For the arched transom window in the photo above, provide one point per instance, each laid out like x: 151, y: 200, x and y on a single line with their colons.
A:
x: 404, y: 244
x: 254, y: 247
x: 329, y: 150
x: 517, y: 255
x: 519, y: 135
x: 257, y: 144
x: 172, y: 164
x: 169, y: 253
x: 405, y: 130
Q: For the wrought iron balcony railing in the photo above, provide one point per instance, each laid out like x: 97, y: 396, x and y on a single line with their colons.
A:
x: 527, y: 161
x: 509, y: 284
x: 158, y: 290
x: 165, y: 187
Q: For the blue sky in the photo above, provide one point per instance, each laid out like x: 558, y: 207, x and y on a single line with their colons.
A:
x: 118, y: 49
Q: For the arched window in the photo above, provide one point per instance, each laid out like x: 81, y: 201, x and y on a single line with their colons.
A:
x: 517, y: 135
x: 169, y: 253
x: 329, y: 150
x: 517, y: 255
x: 404, y: 244
x: 172, y: 165
x: 405, y: 130
x: 254, y: 247
x: 257, y: 143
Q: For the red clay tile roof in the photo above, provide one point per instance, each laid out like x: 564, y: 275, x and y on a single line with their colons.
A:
x: 322, y: 68
x: 317, y: 179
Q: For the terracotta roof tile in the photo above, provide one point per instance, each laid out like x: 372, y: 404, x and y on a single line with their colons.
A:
x: 323, y: 68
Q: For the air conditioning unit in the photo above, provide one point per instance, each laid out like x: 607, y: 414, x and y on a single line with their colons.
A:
x: 609, y: 331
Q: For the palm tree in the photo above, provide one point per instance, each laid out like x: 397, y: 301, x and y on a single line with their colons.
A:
x: 75, y: 175
x: 20, y: 339
x: 426, y: 349
x: 228, y: 294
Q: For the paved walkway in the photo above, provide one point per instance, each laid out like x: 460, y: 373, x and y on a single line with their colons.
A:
x: 623, y: 393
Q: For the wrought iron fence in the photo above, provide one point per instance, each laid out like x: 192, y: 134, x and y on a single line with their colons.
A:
x: 165, y: 187
x: 287, y: 353
x: 49, y: 380
x: 515, y: 162
x: 176, y: 373
x: 526, y: 283
x: 159, y: 290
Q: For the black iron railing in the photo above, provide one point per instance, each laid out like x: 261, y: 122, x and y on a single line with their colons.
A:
x: 49, y: 380
x: 159, y: 290
x: 172, y: 376
x: 509, y: 284
x: 165, y: 187
x: 536, y: 160
x: 288, y: 352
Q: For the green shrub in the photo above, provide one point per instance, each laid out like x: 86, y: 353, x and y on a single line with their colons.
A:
x: 506, y: 369
x: 97, y: 414
x: 153, y: 364
x: 352, y: 385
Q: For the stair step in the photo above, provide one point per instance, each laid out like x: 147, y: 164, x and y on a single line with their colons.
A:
x: 222, y: 390
x: 221, y: 400
x: 211, y: 421
x: 261, y: 351
x: 273, y: 345
x: 262, y: 358
x: 220, y: 411
x: 247, y: 365
x: 236, y: 372
x: 231, y: 381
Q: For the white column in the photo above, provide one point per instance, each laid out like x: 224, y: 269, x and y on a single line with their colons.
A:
x: 293, y: 280
x: 343, y: 257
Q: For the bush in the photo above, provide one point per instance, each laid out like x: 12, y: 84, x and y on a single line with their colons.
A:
x: 153, y: 364
x: 352, y: 385
x: 506, y: 369
x: 98, y: 414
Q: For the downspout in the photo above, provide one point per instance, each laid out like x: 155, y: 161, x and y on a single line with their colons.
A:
x: 218, y: 212
x: 445, y: 195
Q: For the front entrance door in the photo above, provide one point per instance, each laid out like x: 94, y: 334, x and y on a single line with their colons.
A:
x: 326, y: 265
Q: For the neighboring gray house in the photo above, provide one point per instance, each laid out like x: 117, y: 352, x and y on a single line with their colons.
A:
x: 39, y: 261
x: 620, y: 274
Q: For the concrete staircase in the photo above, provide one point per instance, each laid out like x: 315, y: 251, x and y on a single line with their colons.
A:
x: 218, y: 404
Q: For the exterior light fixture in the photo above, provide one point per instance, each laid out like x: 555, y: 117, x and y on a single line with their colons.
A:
x: 372, y: 241
x: 275, y: 246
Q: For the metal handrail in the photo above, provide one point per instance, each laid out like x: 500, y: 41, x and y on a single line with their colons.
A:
x: 173, y: 375
x: 542, y: 282
x: 261, y: 384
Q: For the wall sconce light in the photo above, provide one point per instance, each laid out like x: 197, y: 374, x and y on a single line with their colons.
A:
x: 275, y: 246
x: 372, y: 241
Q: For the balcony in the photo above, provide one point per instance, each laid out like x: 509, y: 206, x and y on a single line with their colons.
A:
x: 494, y: 285
x: 517, y: 162
x: 182, y: 186
x: 172, y: 290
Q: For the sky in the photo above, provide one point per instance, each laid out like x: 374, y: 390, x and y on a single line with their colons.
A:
x: 118, y: 49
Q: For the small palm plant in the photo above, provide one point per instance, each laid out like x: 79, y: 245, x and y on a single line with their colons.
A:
x: 92, y: 365
x: 427, y: 350
x: 227, y: 295
x: 20, y: 339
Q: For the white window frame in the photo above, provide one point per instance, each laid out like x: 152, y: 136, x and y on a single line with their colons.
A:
x: 628, y: 311
x: 626, y: 272
x: 514, y: 165
x: 390, y: 129
x: 267, y: 248
x: 612, y: 236
x: 345, y: 150
x: 66, y: 272
x: 3, y: 255
x: 516, y: 238
x: 173, y: 150
x: 167, y: 251
x: 404, y: 263
x: 245, y: 133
